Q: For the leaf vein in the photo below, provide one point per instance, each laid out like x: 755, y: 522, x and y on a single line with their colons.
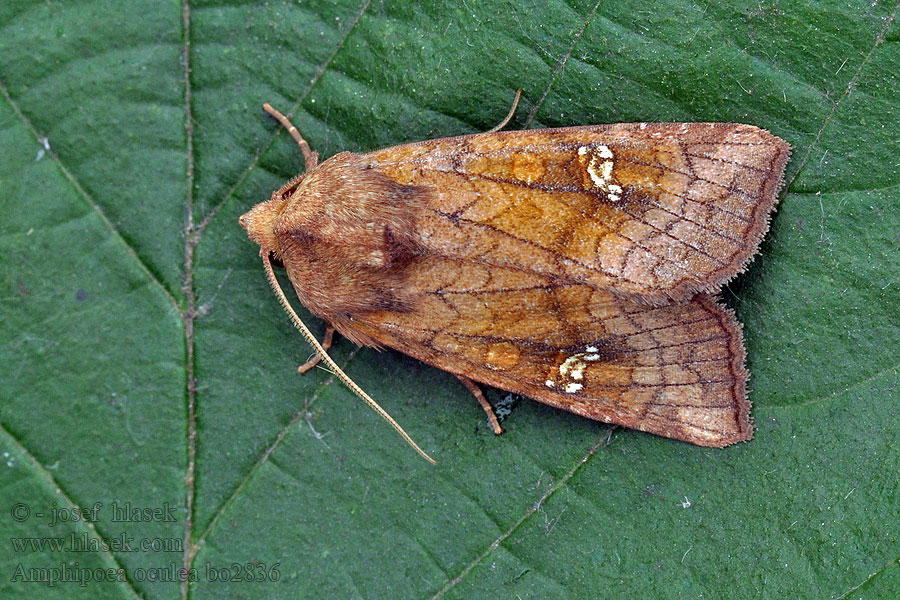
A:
x: 89, y: 200
x: 851, y: 84
x: 560, y: 66
x: 528, y: 512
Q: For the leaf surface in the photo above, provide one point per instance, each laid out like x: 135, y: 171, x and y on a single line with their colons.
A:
x: 147, y: 366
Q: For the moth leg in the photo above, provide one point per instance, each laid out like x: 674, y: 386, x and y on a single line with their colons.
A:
x: 509, y: 116
x: 326, y: 344
x: 310, y: 157
x: 476, y: 391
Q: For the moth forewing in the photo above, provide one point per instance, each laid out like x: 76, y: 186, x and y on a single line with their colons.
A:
x: 657, y: 211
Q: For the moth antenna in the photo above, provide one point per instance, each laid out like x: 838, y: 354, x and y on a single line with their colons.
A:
x: 509, y: 116
x: 300, y: 325
x: 310, y: 157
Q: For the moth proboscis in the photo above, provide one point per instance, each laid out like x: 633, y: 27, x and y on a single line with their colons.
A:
x: 576, y: 266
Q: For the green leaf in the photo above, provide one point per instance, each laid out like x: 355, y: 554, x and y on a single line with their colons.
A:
x: 149, y: 374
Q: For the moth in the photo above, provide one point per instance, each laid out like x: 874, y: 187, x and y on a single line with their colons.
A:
x: 577, y: 266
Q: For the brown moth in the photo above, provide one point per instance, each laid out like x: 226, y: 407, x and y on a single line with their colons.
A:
x: 574, y: 266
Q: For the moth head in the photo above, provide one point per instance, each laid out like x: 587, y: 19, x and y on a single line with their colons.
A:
x: 259, y: 223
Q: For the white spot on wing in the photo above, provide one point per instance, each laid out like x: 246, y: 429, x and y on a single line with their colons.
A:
x: 572, y: 369
x: 600, y: 169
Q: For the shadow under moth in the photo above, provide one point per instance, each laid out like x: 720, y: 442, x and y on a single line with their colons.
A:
x: 576, y: 266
